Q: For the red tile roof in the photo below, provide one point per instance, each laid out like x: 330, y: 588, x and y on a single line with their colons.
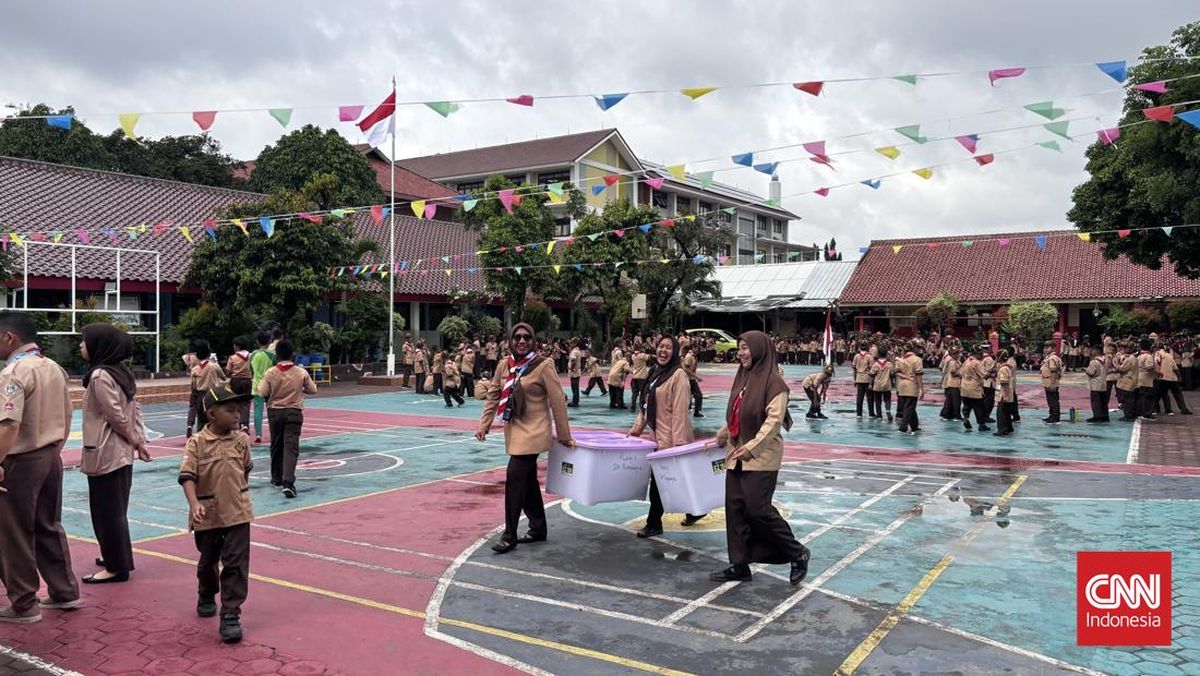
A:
x: 493, y: 159
x: 418, y: 239
x: 1068, y: 269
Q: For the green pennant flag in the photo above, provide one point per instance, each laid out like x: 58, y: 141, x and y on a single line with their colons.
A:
x: 443, y: 108
x: 772, y: 203
x: 518, y: 269
x: 338, y: 213
x: 910, y: 79
x: 281, y: 115
x: 1050, y: 145
x: 618, y: 264
x: 706, y: 179
x: 1059, y: 128
x: 555, y: 188
x: 729, y: 210
x: 913, y: 132
x: 1166, y: 228
x: 1046, y: 109
x: 594, y: 236
x: 967, y: 243
x: 469, y: 204
x: 445, y: 259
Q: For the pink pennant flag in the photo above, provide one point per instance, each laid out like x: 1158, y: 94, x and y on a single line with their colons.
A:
x: 669, y: 223
x: 38, y: 237
x: 1123, y: 233
x: 656, y: 183
x: 1001, y: 73
x: 377, y: 213
x: 969, y: 142
x: 309, y: 217
x: 985, y: 159
x: 1156, y: 87
x: 204, y: 118
x: 1160, y: 113
x: 160, y: 227
x: 815, y: 147
x: 522, y: 100
x: 506, y: 198
x: 1002, y: 242
x: 83, y: 236
x: 430, y: 210
x: 349, y: 113
x: 934, y: 245
x: 822, y: 191
x: 619, y: 233
x: 813, y: 88
x: 723, y: 259
x: 1107, y: 136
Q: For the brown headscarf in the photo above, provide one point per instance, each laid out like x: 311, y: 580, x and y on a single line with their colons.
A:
x: 762, y: 383
x: 108, y: 347
x: 517, y: 397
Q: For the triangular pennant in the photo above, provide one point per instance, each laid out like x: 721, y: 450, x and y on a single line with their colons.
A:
x: 925, y: 173
x: 418, y: 208
x: 83, y: 236
x: 694, y: 93
x: 349, y: 113
x: 1166, y: 228
x: 1159, y: 87
x: 612, y: 179
x: 896, y: 248
x: 1192, y: 117
x: 1003, y: 241
x: 656, y: 183
x: 823, y: 192
x: 448, y: 272
x: 767, y: 168
x: 757, y: 258
x: 110, y: 233
x: 619, y: 233
x: 60, y: 121
x: 596, y: 190
x: 517, y: 268
x: 267, y: 224
x: 705, y: 178
x: 616, y: 265
x: 722, y: 259
x: 133, y: 234
x: 443, y: 108
x: 549, y: 246
x: 744, y: 159
x: 469, y: 204
x: 1107, y: 136
x: 966, y: 243
x: 522, y: 100
x: 813, y: 88
x: 1085, y: 236
x: 873, y: 184
x: 968, y: 141
x: 1114, y: 69
x: 676, y: 170
x: 670, y: 222
x: 984, y: 159
x: 863, y: 249
x: 1046, y: 109
x: 606, y: 101
x: 1050, y: 145
x: 506, y: 198
x: 890, y: 152
x: 557, y: 268
x: 1040, y: 241
x: 128, y: 121
x: 579, y: 266
x: 377, y: 213
x: 912, y: 132
x: 204, y: 118
x: 594, y: 236
x: 1001, y: 73
x: 16, y: 238
x: 645, y: 227
x: 161, y: 227
x: 910, y: 79
x: 241, y: 225
x: 727, y: 210
x: 555, y: 199
x: 1123, y: 233
x: 282, y: 115
x: 57, y: 235
x: 1160, y: 113
x: 311, y: 218
x: 934, y: 245
x: 338, y: 213
x: 555, y: 188
x: 1059, y: 128
x: 187, y: 233
x: 430, y: 210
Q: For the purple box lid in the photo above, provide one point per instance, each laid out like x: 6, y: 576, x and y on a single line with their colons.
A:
x: 612, y: 441
x: 684, y: 450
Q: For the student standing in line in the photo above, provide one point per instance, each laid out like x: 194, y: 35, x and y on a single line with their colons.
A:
x: 1051, y: 373
x: 1006, y: 380
x: 438, y: 368
x: 241, y: 375
x: 1097, y: 376
x: 526, y: 396
x: 420, y: 367
x: 862, y: 379
x: 971, y: 389
x: 689, y: 367
x: 406, y: 358
x: 284, y: 387
x: 260, y: 360
x: 989, y: 381
x: 1125, y: 365
x: 466, y: 369
x: 1168, y: 380
x: 641, y: 369
x: 1147, y: 373
x: 909, y: 387
x: 881, y: 383
x: 952, y: 385
x: 574, y: 371
x: 754, y: 419
x: 206, y: 374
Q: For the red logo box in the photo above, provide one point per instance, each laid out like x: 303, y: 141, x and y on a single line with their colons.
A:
x: 1123, y: 598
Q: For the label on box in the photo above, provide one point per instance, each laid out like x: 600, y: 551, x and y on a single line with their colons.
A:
x: 568, y: 469
x: 718, y: 466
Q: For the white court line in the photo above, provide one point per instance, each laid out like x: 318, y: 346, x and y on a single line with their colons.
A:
x: 1005, y: 646
x: 833, y: 570
x: 1135, y: 440
x: 37, y: 662
x: 343, y: 562
x: 683, y: 612
x: 819, y: 475
x: 915, y: 475
x: 469, y: 481
x: 953, y: 469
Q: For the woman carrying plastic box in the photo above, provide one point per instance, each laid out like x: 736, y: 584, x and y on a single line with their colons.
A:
x: 525, y: 395
x: 665, y: 409
x: 754, y: 419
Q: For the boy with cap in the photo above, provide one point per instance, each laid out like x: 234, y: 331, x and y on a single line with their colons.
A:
x: 216, y: 467
x: 284, y: 387
x: 206, y: 374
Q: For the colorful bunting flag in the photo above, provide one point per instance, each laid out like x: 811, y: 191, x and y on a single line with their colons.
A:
x: 1192, y: 117
x: 706, y: 179
x: 1114, y: 69
x: 619, y: 233
x: 985, y: 159
x: 925, y: 173
x: 694, y: 93
x: 83, y: 236
x: 729, y: 210
x: 596, y: 190
x: 418, y: 208
x: 676, y: 170
x: 377, y: 213
x: 890, y: 152
x: 16, y: 238
x: 282, y: 115
x: 1107, y: 136
x: 1046, y: 109
x: 430, y: 210
x: 745, y: 159
x: 1002, y: 73
x: 210, y: 229
x: 338, y: 213
x: 933, y: 245
x: 1159, y: 87
x: 1123, y: 233
x: 767, y: 168
x: 555, y: 188
x: 187, y: 233
x: 1003, y: 241
x: 1040, y: 241
x: 349, y: 113
x: 1160, y: 113
x: 813, y: 88
x: 557, y: 268
x: 506, y: 198
x: 57, y: 235
x: 896, y: 248
x: 1166, y: 228
x: 969, y: 141
x: 723, y: 259
x: 910, y: 79
x: 128, y: 121
x: 204, y: 118
x: 469, y: 204
x: 240, y: 224
x: 607, y: 101
x: 443, y: 108
x: 1059, y: 128
x: 823, y: 192
x: 522, y: 100
x: 966, y: 243
x: 1050, y: 145
x: 555, y: 199
x: 594, y: 236
x: 612, y: 179
x: 1085, y: 236
x: 913, y: 132
x: 873, y: 184
x: 758, y: 258
x: 60, y: 121
x: 656, y: 183
x: 267, y: 224
x: 645, y: 227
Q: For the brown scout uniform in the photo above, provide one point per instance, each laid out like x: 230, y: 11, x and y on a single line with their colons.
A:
x: 241, y: 377
x: 206, y: 374
x: 284, y: 386
x: 33, y: 390
x: 529, y: 434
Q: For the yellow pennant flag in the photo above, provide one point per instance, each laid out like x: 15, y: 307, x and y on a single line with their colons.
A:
x: 924, y: 173
x: 550, y: 245
x: 187, y: 234
x: 241, y: 224
x: 556, y: 199
x: 557, y: 269
x: 1085, y: 236
x: 896, y: 248
x: 16, y: 239
x: 676, y: 170
x: 128, y: 122
x: 890, y: 152
x: 690, y: 217
x: 418, y: 208
x: 448, y: 272
x: 694, y: 93
x: 664, y: 260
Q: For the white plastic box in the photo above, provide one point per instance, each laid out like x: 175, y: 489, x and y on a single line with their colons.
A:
x: 603, y: 467
x: 690, y: 478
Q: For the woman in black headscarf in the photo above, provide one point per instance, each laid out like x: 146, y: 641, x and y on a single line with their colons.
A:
x: 755, y: 417
x: 665, y: 410
x: 112, y: 435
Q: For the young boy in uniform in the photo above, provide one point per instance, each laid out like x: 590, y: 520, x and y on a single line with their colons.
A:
x: 260, y: 360
x: 616, y: 381
x: 214, y: 473
x: 594, y: 379
x: 206, y: 374
x: 451, y: 383
x: 241, y: 376
x: 641, y: 370
x: 284, y: 387
x: 815, y: 385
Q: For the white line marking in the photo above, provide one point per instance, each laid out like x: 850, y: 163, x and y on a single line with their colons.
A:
x: 37, y: 662
x: 174, y: 529
x: 833, y: 570
x: 1135, y: 440
x: 344, y: 562
x: 1004, y: 646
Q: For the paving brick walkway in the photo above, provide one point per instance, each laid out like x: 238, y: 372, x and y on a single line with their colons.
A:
x: 1172, y: 439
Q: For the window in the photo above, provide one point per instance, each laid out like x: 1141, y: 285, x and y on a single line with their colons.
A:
x: 780, y: 257
x: 706, y: 208
x: 554, y: 177
x: 562, y: 226
x: 517, y: 179
x: 473, y: 186
x: 662, y: 200
x: 683, y: 205
x: 762, y: 223
x: 777, y: 227
x: 745, y: 256
x: 745, y: 226
x: 725, y: 217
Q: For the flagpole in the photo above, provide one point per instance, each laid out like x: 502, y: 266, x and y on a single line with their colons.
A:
x: 391, y: 358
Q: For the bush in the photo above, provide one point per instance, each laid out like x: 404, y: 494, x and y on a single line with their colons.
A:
x: 1145, y: 319
x: 453, y: 329
x: 1122, y: 322
x: 316, y: 338
x: 364, y: 328
x: 538, y: 316
x: 485, y: 325
x: 1184, y: 315
x: 921, y: 320
x: 941, y: 310
x: 1033, y: 321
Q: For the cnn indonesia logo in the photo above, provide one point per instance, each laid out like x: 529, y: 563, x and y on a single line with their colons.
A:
x: 1123, y: 598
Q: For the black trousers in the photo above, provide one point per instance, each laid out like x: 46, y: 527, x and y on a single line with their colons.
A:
x: 1128, y: 401
x: 242, y: 386
x: 229, y: 546
x: 523, y: 494
x: 952, y: 407
x: 655, y: 515
x: 406, y: 370
x: 1004, y: 419
x: 454, y: 393
x: 973, y: 405
x: 697, y: 395
x: 1171, y: 387
x: 33, y: 545
x: 1147, y: 398
x: 754, y: 530
x: 419, y: 385
x: 860, y: 393
x: 285, y: 444
x: 437, y: 383
x: 1187, y: 375
x: 616, y: 396
x: 108, y: 501
x: 881, y: 399
x: 989, y: 402
x: 1108, y: 388
x: 814, y: 401
x: 1099, y: 405
x: 595, y: 381
x: 1052, y: 401
x: 637, y: 385
x: 468, y: 385
x: 574, y: 391
x: 906, y: 411
x: 197, y: 418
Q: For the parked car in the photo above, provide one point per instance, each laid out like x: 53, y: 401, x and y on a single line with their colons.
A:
x: 723, y: 343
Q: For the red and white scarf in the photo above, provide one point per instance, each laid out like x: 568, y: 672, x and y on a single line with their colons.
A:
x: 515, y: 369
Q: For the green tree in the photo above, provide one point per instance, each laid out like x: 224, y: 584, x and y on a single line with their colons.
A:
x: 364, y: 327
x: 282, y: 277
x: 1184, y: 315
x: 526, y: 270
x: 1151, y: 177
x: 190, y: 159
x: 295, y: 159
x: 670, y: 286
x: 218, y: 325
x: 34, y: 139
x: 942, y: 309
x: 1034, y: 320
x: 453, y: 328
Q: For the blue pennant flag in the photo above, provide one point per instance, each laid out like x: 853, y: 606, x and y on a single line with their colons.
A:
x: 767, y: 168
x: 873, y: 184
x: 863, y: 249
x: 644, y: 228
x: 606, y: 101
x: 472, y: 270
x: 745, y: 159
x: 1040, y: 240
x: 1114, y: 69
x: 578, y: 266
x: 268, y: 225
x: 60, y: 121
x: 403, y: 265
x: 386, y: 211
x: 1192, y: 117
x: 698, y: 259
x: 462, y: 198
x: 597, y: 189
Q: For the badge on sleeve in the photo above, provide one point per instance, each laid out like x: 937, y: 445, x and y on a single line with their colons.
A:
x: 11, y: 388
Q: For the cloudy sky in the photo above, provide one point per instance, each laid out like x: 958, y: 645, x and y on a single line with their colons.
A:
x: 121, y: 56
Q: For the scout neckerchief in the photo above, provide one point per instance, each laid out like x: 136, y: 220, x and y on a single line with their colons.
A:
x: 34, y: 351
x: 516, y: 369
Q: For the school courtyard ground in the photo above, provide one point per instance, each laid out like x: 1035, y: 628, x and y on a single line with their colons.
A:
x: 381, y: 565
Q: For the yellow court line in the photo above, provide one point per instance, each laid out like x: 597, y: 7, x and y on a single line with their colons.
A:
x: 418, y: 614
x: 860, y: 653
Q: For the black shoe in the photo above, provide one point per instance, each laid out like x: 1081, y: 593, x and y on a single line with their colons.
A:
x: 1049, y: 421
x: 1001, y: 434
x: 118, y: 577
x: 648, y: 532
x: 800, y: 567
x: 530, y: 537
x: 890, y: 418
x: 276, y: 484
x: 231, y: 628
x: 697, y: 414
x: 984, y: 428
x: 1186, y: 412
x: 691, y: 519
x: 289, y: 492
x: 822, y: 416
x: 732, y: 574
x: 504, y: 546
x: 810, y: 414
x: 206, y: 607
x: 990, y: 420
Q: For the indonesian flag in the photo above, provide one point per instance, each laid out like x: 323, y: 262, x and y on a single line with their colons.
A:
x: 380, y: 122
x: 827, y: 339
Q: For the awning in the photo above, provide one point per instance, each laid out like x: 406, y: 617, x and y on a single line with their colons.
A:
x: 743, y: 303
